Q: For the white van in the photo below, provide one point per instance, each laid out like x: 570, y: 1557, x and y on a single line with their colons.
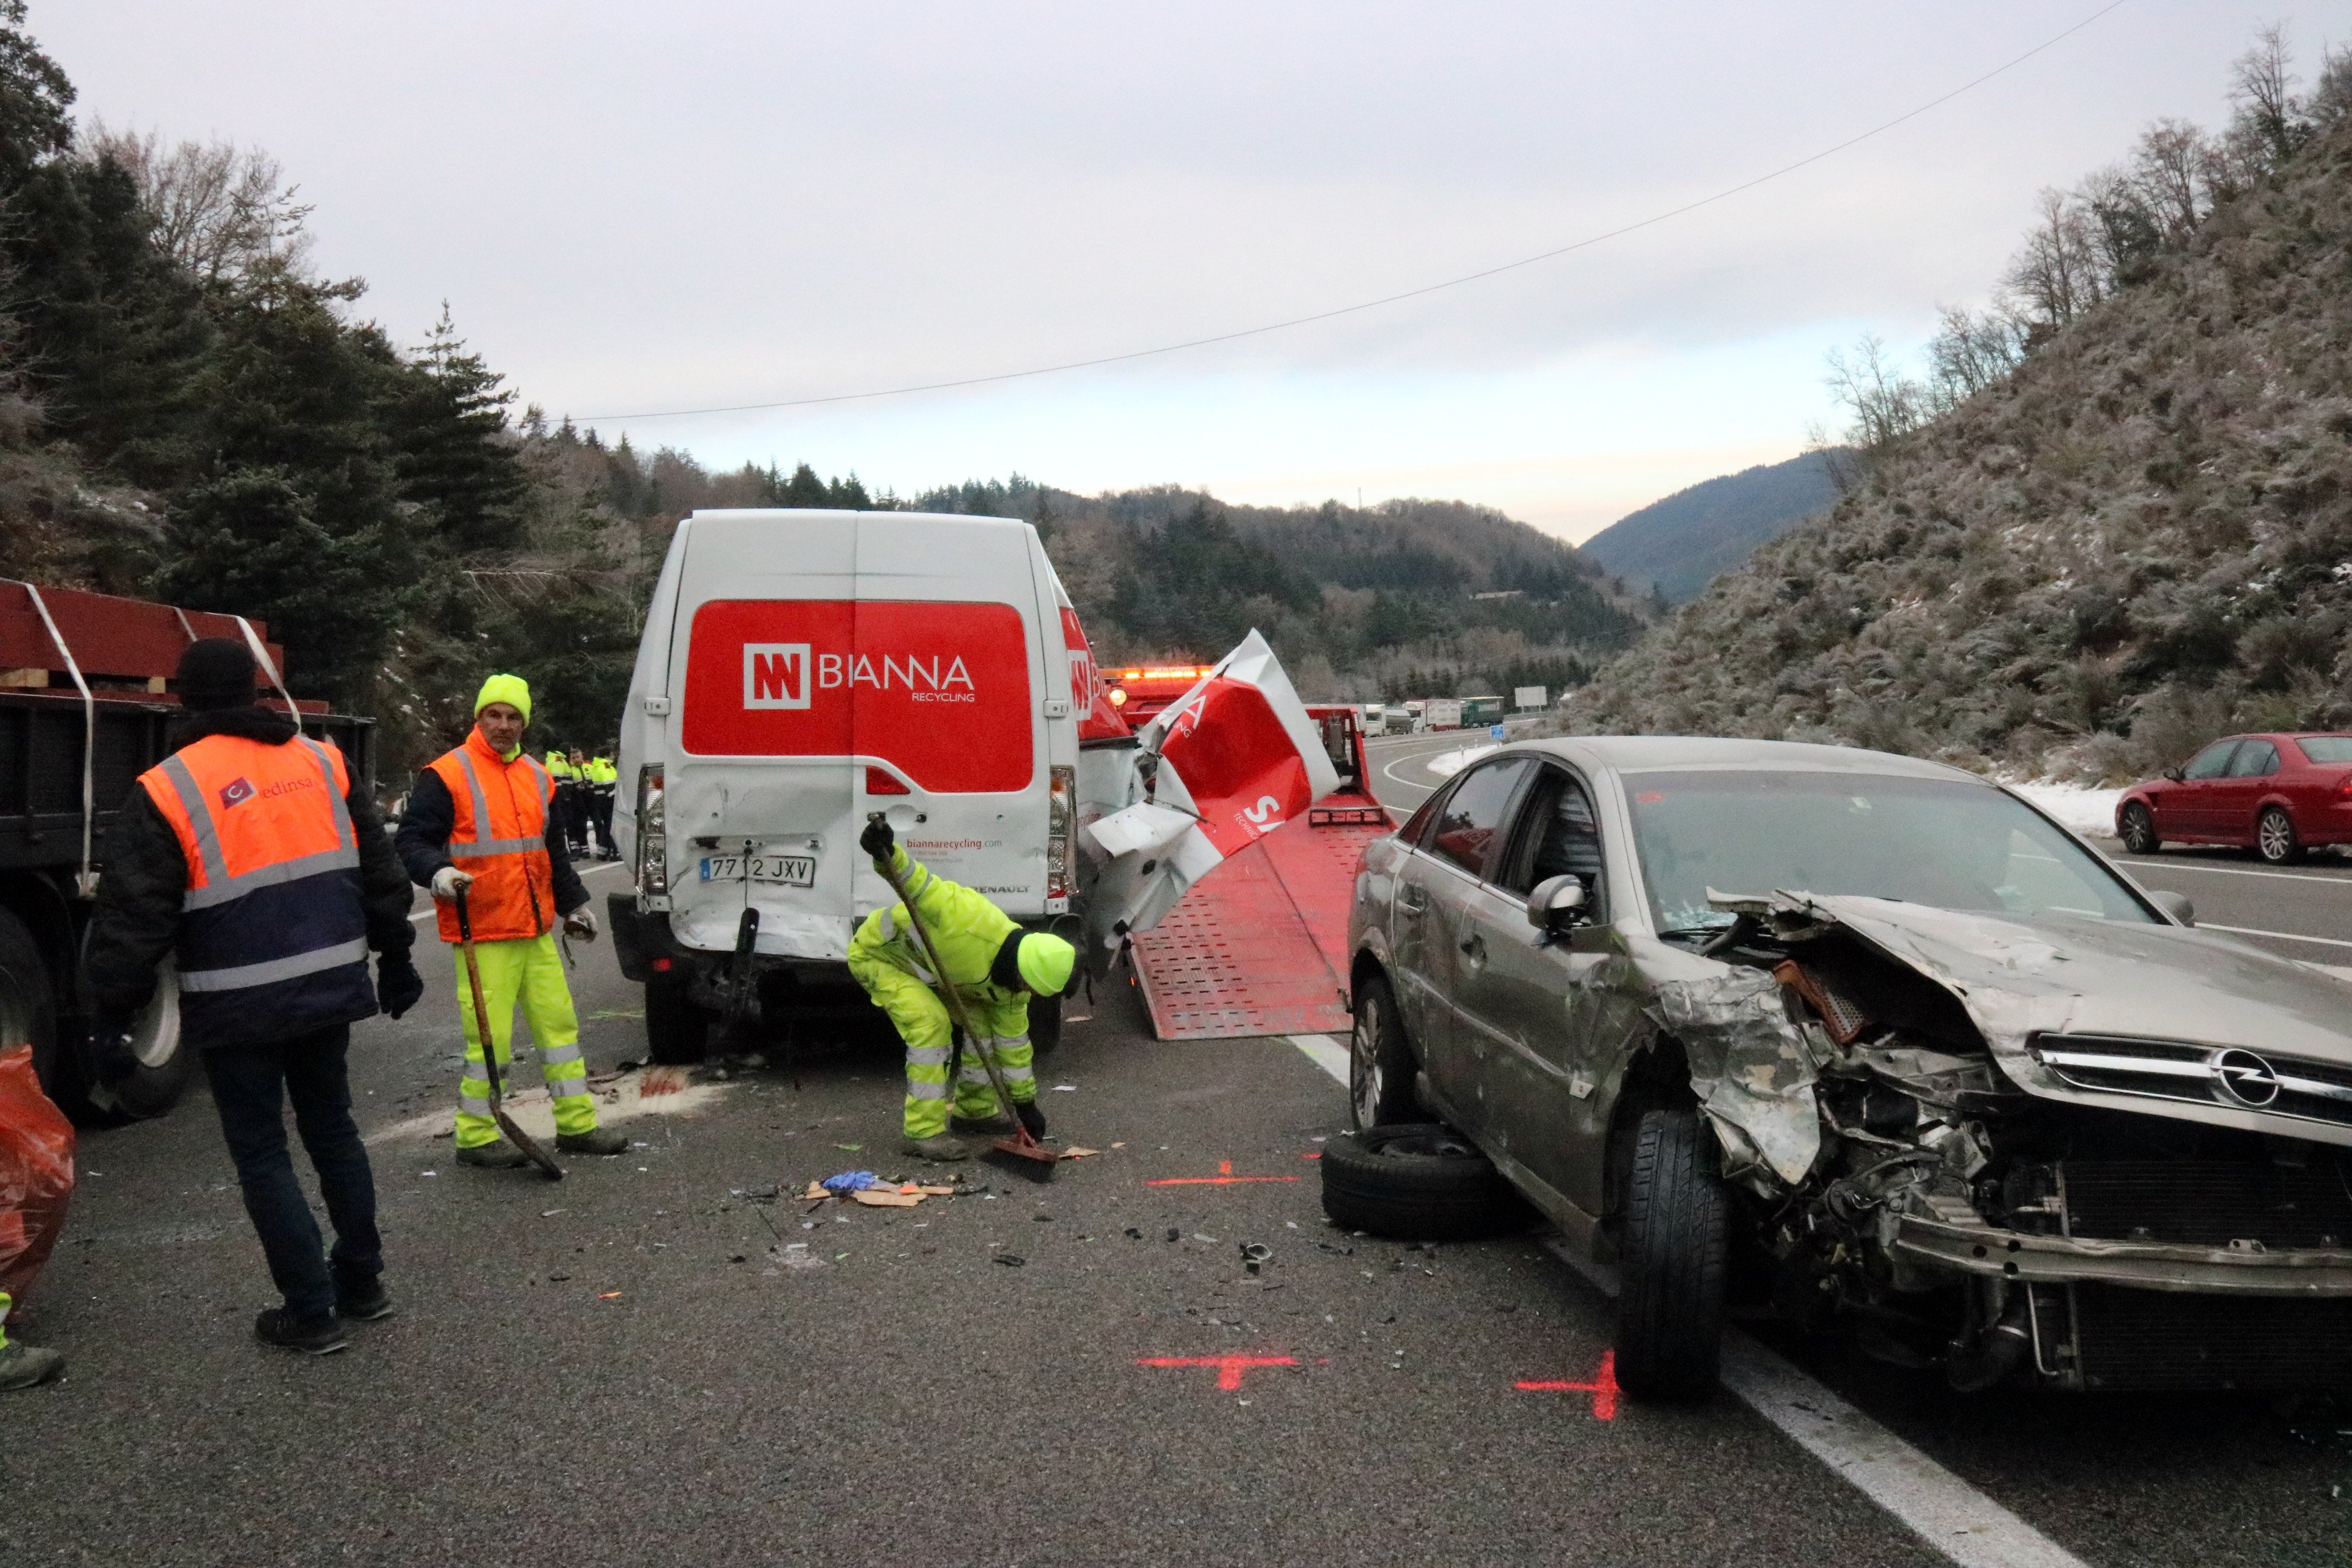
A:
x: 798, y: 671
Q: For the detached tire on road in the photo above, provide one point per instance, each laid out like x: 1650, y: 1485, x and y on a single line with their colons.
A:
x: 1673, y: 1258
x: 1417, y: 1182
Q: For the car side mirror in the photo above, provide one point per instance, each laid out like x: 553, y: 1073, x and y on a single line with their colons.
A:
x: 1557, y: 904
x: 2176, y: 905
x: 2175, y: 775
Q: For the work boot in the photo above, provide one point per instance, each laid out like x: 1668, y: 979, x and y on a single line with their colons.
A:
x: 938, y: 1148
x: 1031, y: 1117
x: 995, y: 1125
x: 23, y: 1366
x: 362, y: 1298
x: 496, y: 1155
x: 595, y: 1140
x: 321, y: 1335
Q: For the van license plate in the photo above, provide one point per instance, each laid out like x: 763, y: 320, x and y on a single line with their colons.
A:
x: 784, y: 870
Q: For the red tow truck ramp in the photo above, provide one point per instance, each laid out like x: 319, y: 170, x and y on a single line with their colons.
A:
x: 1259, y: 946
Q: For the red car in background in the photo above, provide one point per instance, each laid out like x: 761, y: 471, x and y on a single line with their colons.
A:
x: 2275, y: 794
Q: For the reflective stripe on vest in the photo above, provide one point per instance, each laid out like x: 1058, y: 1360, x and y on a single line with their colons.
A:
x: 219, y: 887
x: 272, y: 933
x: 483, y: 848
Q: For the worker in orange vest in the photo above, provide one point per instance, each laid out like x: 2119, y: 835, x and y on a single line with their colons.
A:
x: 253, y: 854
x: 479, y: 818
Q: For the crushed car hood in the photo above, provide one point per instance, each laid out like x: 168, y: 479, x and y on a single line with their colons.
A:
x: 2019, y: 976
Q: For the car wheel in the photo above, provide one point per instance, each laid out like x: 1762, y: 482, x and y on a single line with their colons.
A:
x: 2274, y: 837
x: 1381, y: 1063
x: 28, y: 1003
x: 677, y: 1032
x: 2138, y: 830
x: 1673, y: 1248
x: 1045, y: 1025
x: 1417, y: 1182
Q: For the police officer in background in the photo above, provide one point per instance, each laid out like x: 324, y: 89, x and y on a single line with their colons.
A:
x: 253, y: 854
x: 565, y: 771
x: 601, y: 776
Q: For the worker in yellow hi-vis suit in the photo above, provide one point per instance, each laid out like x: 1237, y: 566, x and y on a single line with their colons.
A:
x: 995, y: 967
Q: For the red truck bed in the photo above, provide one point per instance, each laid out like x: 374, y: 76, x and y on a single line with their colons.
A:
x: 1259, y: 946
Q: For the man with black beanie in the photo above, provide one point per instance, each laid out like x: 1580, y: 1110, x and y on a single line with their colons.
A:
x: 255, y: 857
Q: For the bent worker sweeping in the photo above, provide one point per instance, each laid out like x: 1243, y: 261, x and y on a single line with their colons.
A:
x: 995, y: 968
x: 479, y: 819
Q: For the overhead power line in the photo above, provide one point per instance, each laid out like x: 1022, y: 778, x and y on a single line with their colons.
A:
x: 1385, y: 300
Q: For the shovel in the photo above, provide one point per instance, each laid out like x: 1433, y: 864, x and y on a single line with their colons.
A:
x: 514, y: 1133
x: 1020, y: 1145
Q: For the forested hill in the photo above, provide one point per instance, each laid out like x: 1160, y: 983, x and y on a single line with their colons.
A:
x: 1678, y: 545
x: 1402, y: 599
x: 2139, y: 537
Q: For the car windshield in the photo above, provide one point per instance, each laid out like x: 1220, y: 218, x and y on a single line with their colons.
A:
x: 2327, y: 748
x: 1944, y: 842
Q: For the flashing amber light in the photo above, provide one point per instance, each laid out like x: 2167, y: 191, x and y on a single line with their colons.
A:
x: 1119, y: 696
x: 1168, y: 672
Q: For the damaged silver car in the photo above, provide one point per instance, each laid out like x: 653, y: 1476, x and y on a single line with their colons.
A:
x: 1850, y: 1036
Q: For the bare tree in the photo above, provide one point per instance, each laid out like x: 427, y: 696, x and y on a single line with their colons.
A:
x: 2270, y: 115
x: 1972, y: 349
x: 2057, y: 276
x: 224, y: 212
x: 2172, y: 170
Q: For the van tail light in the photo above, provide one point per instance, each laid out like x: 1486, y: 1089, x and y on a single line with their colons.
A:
x: 653, y: 843
x: 1061, y: 816
x: 880, y: 781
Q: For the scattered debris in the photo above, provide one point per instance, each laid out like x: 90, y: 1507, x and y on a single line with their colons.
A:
x: 1075, y: 1152
x: 852, y: 1148
x: 1255, y: 1253
x: 609, y: 1296
x: 1010, y: 1262
x: 1065, y: 1088
x: 550, y: 1214
x: 1133, y: 1234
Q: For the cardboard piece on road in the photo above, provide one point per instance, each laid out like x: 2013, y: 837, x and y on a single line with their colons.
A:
x: 883, y: 1199
x: 1077, y: 1154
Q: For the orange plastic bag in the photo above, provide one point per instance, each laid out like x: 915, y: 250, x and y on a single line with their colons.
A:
x: 37, y: 1172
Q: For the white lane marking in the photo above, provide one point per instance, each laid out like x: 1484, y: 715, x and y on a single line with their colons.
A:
x: 1325, y: 1053
x: 1942, y: 1510
x: 2278, y: 935
x: 2229, y: 871
x: 426, y: 912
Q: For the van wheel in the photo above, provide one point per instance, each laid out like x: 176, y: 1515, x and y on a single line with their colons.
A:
x: 1672, y: 1256
x: 1417, y: 1182
x: 1045, y: 1025
x: 677, y: 1033
x: 28, y: 1003
x: 1381, y: 1063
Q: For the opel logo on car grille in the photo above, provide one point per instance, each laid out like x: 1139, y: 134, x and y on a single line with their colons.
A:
x: 2249, y: 1080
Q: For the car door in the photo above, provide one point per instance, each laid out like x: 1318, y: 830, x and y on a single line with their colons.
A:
x: 1535, y: 1009
x: 2234, y: 796
x: 1435, y: 895
x: 2185, y: 809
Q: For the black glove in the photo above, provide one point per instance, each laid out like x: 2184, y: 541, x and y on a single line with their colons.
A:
x: 878, y: 839
x: 111, y: 1056
x: 1031, y: 1117
x: 398, y: 986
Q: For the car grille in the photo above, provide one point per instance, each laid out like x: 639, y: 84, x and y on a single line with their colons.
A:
x: 2163, y: 1340
x: 2175, y: 1070
x: 2208, y: 1203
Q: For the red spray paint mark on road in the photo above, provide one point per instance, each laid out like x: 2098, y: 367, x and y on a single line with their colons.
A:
x: 1229, y: 1367
x: 1224, y: 1167
x: 1212, y: 1180
x: 1603, y: 1388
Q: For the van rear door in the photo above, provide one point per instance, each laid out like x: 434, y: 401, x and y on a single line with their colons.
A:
x: 759, y: 796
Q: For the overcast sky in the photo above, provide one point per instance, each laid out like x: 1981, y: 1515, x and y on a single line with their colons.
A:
x: 633, y: 208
